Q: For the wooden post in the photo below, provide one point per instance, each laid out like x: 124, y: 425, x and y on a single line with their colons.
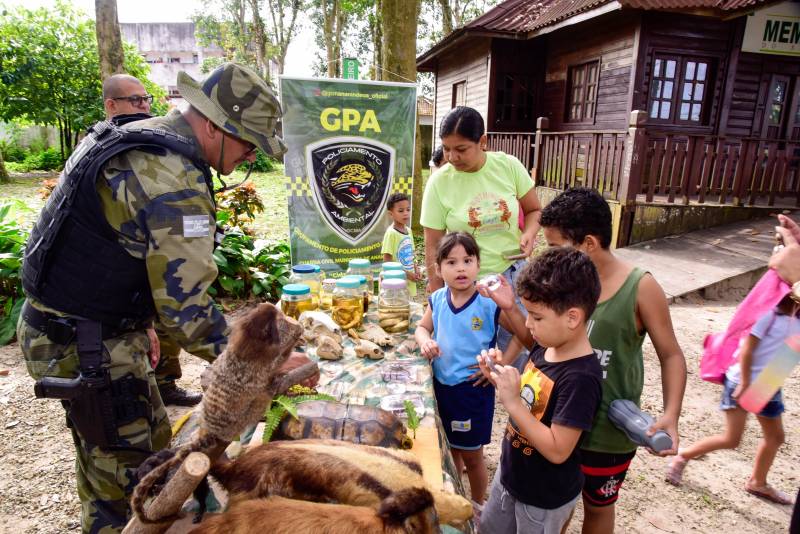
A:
x: 632, y: 169
x: 542, y: 124
x: 169, y: 502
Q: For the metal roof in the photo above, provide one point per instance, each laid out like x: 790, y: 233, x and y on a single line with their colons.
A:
x: 518, y: 18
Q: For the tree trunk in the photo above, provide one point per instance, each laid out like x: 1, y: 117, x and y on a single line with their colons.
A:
x: 376, y: 31
x: 399, y: 20
x: 260, y: 41
x: 332, y: 21
x: 109, y: 40
x: 4, y: 177
x: 282, y: 34
x: 447, y: 16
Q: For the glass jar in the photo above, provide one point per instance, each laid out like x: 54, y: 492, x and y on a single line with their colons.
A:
x: 326, y: 293
x: 393, y: 306
x: 304, y: 274
x: 396, y: 274
x: 347, y: 303
x: 366, y: 294
x: 296, y: 299
x: 361, y: 267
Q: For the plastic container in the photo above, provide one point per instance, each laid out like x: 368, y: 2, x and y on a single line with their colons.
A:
x: 347, y: 304
x: 296, y: 299
x: 305, y: 273
x: 326, y: 293
x: 396, y: 274
x: 361, y: 267
x: 392, y: 266
x: 634, y: 422
x: 393, y: 306
x: 366, y: 293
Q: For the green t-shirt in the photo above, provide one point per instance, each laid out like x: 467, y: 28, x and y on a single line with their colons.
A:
x: 401, y: 246
x: 618, y: 346
x: 482, y: 203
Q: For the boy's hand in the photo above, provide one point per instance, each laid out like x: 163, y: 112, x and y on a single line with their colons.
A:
x: 670, y: 426
x: 487, y: 360
x: 430, y: 349
x: 740, y: 389
x: 507, y: 381
x: 503, y: 295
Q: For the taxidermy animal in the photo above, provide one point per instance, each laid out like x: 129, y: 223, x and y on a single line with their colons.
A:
x: 241, y: 385
x: 330, y: 470
x: 409, y: 510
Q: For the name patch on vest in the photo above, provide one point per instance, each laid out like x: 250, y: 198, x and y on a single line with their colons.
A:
x: 195, y: 226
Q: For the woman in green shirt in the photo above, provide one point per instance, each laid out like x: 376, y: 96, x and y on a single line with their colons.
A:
x: 480, y: 193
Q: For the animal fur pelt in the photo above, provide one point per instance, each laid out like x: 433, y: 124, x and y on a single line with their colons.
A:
x: 243, y: 381
x: 409, y: 510
x: 331, y: 470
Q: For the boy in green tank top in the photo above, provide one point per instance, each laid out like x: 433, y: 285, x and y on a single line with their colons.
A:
x: 631, y: 305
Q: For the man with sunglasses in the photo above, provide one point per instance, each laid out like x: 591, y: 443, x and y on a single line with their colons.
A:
x: 126, y: 238
x: 126, y: 100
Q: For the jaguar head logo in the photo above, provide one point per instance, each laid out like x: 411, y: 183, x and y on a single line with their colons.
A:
x: 350, y: 181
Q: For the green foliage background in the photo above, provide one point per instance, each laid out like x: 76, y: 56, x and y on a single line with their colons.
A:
x: 50, y: 71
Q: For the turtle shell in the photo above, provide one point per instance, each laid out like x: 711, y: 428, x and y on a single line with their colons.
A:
x: 366, y: 425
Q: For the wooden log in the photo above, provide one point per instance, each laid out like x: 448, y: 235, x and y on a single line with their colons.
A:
x: 169, y: 502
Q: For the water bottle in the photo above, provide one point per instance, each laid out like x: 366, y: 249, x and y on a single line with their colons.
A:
x: 634, y: 422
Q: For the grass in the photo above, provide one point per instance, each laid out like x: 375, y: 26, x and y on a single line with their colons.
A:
x: 271, y: 224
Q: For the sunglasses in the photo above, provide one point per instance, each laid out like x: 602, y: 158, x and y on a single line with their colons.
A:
x: 136, y: 100
x: 251, y: 148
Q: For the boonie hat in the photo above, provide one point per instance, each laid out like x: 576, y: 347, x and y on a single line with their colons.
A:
x: 239, y: 102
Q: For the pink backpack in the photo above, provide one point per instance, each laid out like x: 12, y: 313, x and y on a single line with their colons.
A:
x: 719, y: 350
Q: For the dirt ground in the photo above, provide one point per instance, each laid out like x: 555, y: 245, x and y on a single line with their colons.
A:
x: 37, y: 484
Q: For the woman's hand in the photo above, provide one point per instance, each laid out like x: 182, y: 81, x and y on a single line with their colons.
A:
x: 739, y: 390
x: 786, y: 261
x: 527, y: 242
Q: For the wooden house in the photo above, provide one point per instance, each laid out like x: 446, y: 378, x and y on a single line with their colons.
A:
x: 683, y: 113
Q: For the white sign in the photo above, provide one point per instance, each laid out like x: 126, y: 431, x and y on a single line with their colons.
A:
x: 774, y: 30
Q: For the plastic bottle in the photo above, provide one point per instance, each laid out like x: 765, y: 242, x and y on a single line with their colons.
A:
x: 635, y: 423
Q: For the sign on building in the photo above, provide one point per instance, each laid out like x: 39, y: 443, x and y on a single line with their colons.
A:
x: 774, y: 30
x: 350, y: 68
x: 351, y: 144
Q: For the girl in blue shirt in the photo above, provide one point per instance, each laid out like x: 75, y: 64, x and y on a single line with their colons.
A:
x: 458, y: 324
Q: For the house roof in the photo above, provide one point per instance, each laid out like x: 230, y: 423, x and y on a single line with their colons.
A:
x: 518, y: 18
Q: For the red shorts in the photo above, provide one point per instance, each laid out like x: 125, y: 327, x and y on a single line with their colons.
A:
x: 604, y: 473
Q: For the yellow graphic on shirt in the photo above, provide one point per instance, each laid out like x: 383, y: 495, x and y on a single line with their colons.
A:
x: 535, y: 389
x: 477, y: 323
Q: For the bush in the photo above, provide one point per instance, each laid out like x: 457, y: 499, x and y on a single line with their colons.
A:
x: 13, y: 153
x: 263, y: 163
x: 250, y: 267
x: 237, y: 207
x: 44, y: 160
x: 12, y: 249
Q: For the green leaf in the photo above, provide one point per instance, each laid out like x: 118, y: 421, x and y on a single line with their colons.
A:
x: 413, y: 417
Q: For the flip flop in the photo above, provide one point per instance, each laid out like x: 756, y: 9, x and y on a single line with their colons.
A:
x: 771, y: 494
x: 674, y: 473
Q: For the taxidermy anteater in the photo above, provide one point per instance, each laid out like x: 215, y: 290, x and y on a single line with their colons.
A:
x: 331, y: 471
x: 407, y: 511
x: 242, y: 383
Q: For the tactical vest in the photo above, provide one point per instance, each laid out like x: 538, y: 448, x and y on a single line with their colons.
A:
x: 73, y: 260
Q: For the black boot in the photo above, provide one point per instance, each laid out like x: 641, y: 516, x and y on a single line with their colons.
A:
x: 175, y: 396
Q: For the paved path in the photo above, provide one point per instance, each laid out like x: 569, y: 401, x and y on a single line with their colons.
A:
x: 697, y: 260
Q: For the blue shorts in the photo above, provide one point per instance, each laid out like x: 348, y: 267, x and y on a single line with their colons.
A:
x: 774, y: 408
x: 466, y: 413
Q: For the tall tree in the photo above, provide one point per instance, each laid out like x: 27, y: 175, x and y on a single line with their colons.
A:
x: 376, y: 32
x: 333, y: 16
x: 4, y: 178
x: 448, y: 24
x: 283, y: 27
x: 399, y: 20
x: 109, y: 40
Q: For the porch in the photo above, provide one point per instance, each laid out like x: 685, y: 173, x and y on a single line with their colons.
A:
x: 654, y: 178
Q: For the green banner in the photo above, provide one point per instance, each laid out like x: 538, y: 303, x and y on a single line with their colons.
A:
x: 351, y: 144
x: 350, y: 68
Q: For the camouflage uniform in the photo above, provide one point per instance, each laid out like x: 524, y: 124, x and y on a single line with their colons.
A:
x: 168, y: 369
x: 162, y: 211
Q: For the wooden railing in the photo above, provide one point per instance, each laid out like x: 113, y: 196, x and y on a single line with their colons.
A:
x: 704, y: 168
x: 582, y: 158
x: 518, y: 144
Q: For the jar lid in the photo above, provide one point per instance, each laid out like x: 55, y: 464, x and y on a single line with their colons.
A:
x: 392, y: 283
x: 359, y: 263
x: 348, y: 282
x: 360, y: 277
x: 394, y: 274
x: 329, y: 281
x: 316, y: 267
x: 296, y: 289
x: 389, y: 265
x: 303, y: 268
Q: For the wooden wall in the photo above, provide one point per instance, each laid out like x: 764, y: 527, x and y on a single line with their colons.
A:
x: 611, y: 39
x: 679, y: 34
x: 467, y: 62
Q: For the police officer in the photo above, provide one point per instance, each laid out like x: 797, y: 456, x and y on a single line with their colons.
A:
x: 126, y: 100
x: 127, y: 236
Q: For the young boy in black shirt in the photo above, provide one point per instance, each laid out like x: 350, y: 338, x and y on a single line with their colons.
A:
x: 555, y: 400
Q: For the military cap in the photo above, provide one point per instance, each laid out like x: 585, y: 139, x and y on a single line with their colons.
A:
x: 238, y: 101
